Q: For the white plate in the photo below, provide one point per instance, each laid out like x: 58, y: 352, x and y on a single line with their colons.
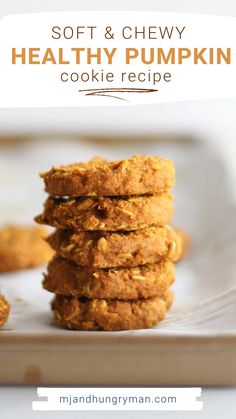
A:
x: 189, y: 347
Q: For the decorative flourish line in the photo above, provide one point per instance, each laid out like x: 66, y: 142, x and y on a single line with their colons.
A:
x: 107, y: 91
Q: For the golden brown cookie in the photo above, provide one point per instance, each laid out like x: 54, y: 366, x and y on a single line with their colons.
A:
x: 185, y: 241
x: 4, y: 310
x: 67, y: 278
x: 106, y: 213
x: 23, y: 247
x: 104, y: 250
x: 110, y: 315
x: 134, y: 176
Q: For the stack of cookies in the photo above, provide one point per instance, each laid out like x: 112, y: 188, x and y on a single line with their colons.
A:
x: 114, y: 250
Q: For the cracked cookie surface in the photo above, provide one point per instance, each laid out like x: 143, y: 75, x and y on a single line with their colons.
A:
x: 134, y: 176
x: 110, y: 315
x: 106, y: 213
x: 104, y: 249
x: 67, y: 278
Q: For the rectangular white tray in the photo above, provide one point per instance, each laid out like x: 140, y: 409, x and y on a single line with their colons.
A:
x: 195, y: 345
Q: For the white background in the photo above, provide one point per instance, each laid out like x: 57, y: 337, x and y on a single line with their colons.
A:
x: 211, y: 119
x: 40, y: 86
x: 217, y: 404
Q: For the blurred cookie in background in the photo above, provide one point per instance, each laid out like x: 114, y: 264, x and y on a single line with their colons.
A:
x: 185, y: 241
x: 4, y: 310
x: 23, y: 247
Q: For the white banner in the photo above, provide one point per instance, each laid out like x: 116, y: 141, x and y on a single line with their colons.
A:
x: 115, y: 58
x: 118, y: 399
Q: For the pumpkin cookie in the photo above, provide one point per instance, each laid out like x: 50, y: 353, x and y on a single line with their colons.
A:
x: 185, y: 241
x: 4, y: 310
x: 133, y: 176
x: 103, y: 213
x: 104, y: 250
x: 23, y: 247
x: 110, y: 315
x: 67, y: 278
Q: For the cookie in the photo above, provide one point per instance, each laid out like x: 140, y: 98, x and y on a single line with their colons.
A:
x: 105, y: 250
x: 110, y: 315
x: 185, y: 241
x: 134, y: 176
x: 23, y: 247
x: 67, y: 278
x: 103, y: 213
x: 4, y: 310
